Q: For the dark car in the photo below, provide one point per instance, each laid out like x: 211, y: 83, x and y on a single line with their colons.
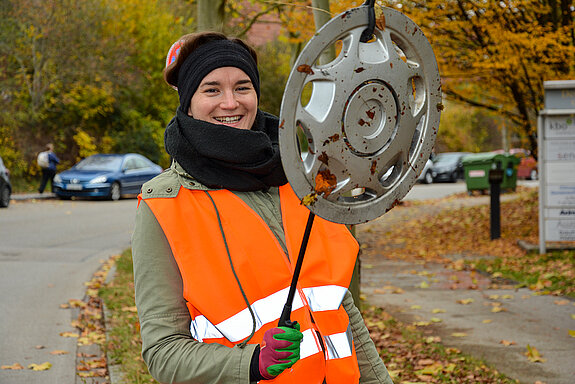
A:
x: 108, y: 176
x: 527, y: 167
x: 426, y: 176
x: 448, y: 166
x: 5, y: 186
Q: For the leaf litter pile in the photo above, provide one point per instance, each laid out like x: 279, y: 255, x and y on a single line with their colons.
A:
x: 413, y: 357
x: 460, y: 238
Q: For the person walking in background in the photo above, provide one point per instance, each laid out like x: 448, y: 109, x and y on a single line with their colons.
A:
x: 47, y: 160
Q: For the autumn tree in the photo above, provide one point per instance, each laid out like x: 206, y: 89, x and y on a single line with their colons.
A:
x: 85, y: 75
x: 211, y: 15
x: 497, y: 54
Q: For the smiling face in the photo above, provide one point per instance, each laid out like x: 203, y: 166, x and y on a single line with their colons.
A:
x: 225, y: 96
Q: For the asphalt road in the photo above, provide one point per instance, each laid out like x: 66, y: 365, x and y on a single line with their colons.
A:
x: 48, y: 249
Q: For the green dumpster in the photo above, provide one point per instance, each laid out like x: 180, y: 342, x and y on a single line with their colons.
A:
x: 476, y: 168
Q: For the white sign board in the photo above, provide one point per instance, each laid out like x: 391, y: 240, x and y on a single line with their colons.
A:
x: 560, y: 230
x: 558, y: 127
x: 556, y: 134
x: 560, y: 150
x: 560, y: 195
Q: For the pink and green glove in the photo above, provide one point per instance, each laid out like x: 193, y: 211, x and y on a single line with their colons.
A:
x: 279, y: 350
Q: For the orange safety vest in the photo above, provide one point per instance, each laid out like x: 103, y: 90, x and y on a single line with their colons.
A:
x: 217, y: 307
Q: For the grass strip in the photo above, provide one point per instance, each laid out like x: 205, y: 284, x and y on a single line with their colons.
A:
x: 123, y: 327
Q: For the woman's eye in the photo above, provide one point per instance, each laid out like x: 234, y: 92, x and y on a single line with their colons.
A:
x: 211, y: 90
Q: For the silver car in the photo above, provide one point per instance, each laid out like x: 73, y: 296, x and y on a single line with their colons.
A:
x: 5, y: 186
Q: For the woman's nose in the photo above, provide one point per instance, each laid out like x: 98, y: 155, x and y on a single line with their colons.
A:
x: 229, y: 101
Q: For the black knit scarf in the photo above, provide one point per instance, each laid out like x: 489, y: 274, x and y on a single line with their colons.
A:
x: 219, y: 156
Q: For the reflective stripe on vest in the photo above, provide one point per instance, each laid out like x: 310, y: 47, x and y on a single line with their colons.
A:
x: 238, y: 326
x: 218, y: 310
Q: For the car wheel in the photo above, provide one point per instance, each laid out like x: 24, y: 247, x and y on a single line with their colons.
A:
x: 115, y: 192
x: 533, y: 174
x: 428, y: 178
x: 5, y: 197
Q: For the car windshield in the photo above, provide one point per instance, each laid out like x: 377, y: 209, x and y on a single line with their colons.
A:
x: 100, y: 163
x: 444, y: 158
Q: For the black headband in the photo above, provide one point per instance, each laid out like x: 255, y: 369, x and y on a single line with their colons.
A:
x: 210, y: 56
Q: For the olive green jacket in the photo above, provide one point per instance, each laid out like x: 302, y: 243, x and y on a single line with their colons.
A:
x: 169, y: 350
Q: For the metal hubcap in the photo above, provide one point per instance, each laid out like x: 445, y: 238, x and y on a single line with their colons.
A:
x: 371, y: 120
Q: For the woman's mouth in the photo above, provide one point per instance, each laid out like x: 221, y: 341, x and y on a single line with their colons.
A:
x: 228, y: 119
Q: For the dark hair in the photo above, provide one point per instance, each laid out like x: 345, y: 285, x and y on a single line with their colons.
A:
x: 193, y: 41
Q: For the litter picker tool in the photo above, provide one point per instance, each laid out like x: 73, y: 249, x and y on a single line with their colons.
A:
x: 356, y: 132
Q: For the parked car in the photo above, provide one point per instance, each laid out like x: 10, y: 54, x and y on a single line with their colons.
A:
x: 5, y: 186
x: 108, y: 176
x: 448, y: 166
x: 527, y: 168
x: 425, y: 176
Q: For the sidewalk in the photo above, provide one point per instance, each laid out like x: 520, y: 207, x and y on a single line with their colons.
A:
x: 470, y: 311
x: 32, y: 196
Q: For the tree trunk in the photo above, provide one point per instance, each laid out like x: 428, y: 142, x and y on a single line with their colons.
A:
x: 322, y: 15
x: 210, y: 15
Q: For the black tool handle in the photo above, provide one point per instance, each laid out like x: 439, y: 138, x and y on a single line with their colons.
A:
x: 284, y: 320
x: 367, y: 34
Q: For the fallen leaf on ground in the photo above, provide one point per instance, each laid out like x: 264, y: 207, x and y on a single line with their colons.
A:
x: 459, y: 334
x: 436, y: 320
x: 431, y: 370
x: 571, y: 333
x: 40, y: 367
x: 75, y: 303
x: 561, y: 302
x: 14, y: 366
x: 419, y: 307
x: 421, y: 323
x: 487, y: 321
x: 437, y: 310
x: 465, y: 301
x: 498, y: 309
x: 69, y: 334
x: 432, y: 339
x: 394, y: 374
x: 533, y: 355
x: 59, y: 352
x: 507, y: 342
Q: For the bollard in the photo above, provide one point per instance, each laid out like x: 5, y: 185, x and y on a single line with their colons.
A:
x: 495, y: 180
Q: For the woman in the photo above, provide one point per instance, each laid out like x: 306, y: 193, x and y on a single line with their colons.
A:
x: 216, y: 238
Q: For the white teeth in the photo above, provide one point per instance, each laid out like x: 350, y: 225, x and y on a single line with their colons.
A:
x: 228, y: 120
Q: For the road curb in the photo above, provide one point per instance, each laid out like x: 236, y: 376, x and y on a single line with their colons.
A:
x: 114, y: 370
x: 32, y: 196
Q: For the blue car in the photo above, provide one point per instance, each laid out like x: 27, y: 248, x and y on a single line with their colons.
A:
x: 108, y: 176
